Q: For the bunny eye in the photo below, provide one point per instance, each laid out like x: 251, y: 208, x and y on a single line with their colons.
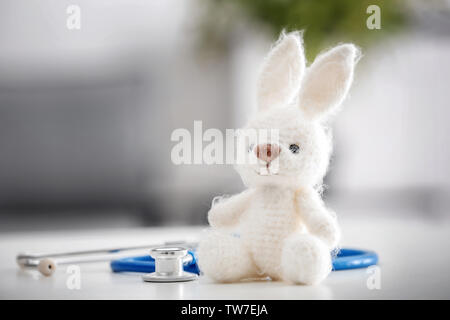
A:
x: 294, y: 148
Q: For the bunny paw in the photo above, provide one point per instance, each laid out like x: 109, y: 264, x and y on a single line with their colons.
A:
x: 328, y: 231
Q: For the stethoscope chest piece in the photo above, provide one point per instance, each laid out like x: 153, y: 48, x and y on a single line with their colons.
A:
x: 169, y: 266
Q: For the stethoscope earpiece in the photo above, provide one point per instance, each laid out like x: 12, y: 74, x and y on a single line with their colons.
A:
x: 47, y: 267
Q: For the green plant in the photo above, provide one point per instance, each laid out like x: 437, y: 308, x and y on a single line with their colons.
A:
x: 325, y: 21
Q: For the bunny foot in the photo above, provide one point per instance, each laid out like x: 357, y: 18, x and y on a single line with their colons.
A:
x: 305, y: 259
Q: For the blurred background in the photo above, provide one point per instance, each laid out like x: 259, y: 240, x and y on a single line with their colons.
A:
x: 86, y: 115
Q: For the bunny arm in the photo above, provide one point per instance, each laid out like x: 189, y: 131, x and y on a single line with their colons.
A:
x: 319, y: 220
x: 226, y: 211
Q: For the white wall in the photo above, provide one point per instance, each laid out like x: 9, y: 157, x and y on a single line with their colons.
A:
x: 394, y: 129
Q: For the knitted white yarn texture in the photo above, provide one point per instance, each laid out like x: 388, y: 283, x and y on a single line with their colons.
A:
x: 279, y: 227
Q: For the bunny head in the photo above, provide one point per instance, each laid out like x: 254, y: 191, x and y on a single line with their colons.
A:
x: 292, y: 144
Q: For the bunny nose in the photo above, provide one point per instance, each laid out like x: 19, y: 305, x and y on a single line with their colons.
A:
x: 267, y: 152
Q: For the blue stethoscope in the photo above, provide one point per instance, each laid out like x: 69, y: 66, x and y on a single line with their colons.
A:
x: 167, y: 262
x: 345, y: 259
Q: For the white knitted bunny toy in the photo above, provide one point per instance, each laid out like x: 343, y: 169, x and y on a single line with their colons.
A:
x: 279, y: 227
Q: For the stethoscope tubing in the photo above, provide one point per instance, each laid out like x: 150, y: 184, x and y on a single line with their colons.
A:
x: 348, y: 258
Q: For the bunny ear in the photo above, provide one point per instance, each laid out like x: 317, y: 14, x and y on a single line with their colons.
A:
x: 281, y: 75
x: 328, y: 80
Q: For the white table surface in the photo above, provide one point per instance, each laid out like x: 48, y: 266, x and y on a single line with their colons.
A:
x: 414, y: 263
